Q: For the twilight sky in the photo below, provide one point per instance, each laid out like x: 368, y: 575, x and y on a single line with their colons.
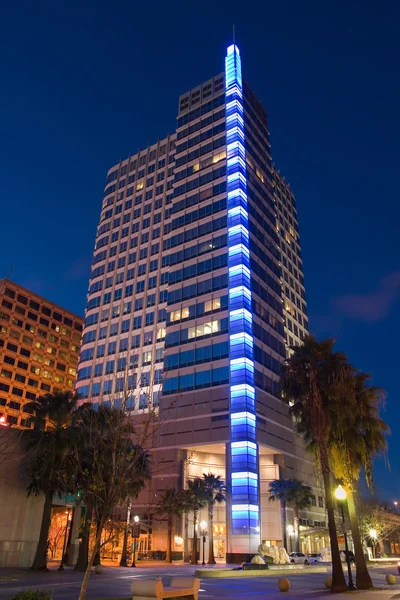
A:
x: 84, y: 84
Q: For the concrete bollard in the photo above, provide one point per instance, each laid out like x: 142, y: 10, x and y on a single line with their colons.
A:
x: 283, y: 584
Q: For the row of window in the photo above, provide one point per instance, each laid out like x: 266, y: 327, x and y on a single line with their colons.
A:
x: 196, y: 232
x: 128, y: 324
x: 196, y: 381
x: 192, y: 184
x: 123, y: 344
x: 198, y: 332
x: 198, y: 310
x: 205, y: 266
x: 196, y: 215
x: 213, y: 118
x: 218, y: 282
x: 43, y: 309
x: 199, y: 197
x: 201, y: 110
x: 198, y: 249
x: 127, y: 218
x: 196, y: 356
x: 127, y: 385
x: 144, y: 237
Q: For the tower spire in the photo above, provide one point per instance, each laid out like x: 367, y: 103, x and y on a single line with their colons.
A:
x: 233, y: 31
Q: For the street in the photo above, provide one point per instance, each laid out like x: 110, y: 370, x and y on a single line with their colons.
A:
x: 115, y: 582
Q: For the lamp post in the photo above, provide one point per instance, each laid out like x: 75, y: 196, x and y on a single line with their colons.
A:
x: 203, y: 533
x: 135, y: 535
x: 341, y: 494
x: 395, y: 504
x: 61, y: 567
x: 373, y: 535
x: 290, y: 530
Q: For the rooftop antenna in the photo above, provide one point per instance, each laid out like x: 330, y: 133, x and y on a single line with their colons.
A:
x: 233, y: 30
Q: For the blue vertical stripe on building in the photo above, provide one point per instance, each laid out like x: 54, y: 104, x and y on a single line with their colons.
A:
x: 244, y: 449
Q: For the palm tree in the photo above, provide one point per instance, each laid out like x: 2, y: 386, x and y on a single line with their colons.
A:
x: 300, y: 500
x: 50, y: 469
x: 215, y: 490
x: 196, y: 496
x: 170, y: 505
x: 279, y: 490
x: 312, y: 383
x: 293, y: 493
x: 355, y: 443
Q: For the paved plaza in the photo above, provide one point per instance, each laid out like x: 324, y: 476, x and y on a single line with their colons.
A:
x: 115, y: 582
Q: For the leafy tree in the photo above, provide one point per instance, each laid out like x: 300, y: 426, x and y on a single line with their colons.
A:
x: 374, y: 515
x: 196, y: 498
x: 313, y: 384
x: 215, y: 492
x: 290, y: 492
x: 355, y: 441
x: 49, y: 465
x: 170, y: 505
x: 112, y: 468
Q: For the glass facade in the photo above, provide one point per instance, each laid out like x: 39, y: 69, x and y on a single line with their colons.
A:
x: 196, y: 290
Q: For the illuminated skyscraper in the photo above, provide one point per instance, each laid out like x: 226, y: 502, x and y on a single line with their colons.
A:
x: 196, y: 291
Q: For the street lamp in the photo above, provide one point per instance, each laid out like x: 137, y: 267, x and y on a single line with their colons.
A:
x: 373, y: 535
x: 203, y: 532
x: 290, y: 530
x: 396, y: 503
x: 341, y: 495
x: 61, y: 567
x: 135, y: 535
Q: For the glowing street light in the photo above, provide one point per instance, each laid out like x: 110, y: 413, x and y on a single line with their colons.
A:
x: 135, y: 535
x: 203, y: 532
x: 341, y: 494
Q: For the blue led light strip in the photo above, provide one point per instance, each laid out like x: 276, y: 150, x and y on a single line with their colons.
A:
x: 244, y: 449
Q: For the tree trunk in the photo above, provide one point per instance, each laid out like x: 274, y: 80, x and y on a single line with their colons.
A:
x: 296, y: 528
x: 194, y: 548
x: 68, y: 548
x: 284, y: 533
x: 168, y: 557
x: 99, y: 531
x: 211, y: 557
x: 93, y: 554
x: 123, y: 562
x: 39, y: 562
x: 338, y: 579
x: 363, y: 579
x: 186, y: 557
x: 83, y: 554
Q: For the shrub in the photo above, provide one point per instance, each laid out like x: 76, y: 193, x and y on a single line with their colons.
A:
x: 32, y: 595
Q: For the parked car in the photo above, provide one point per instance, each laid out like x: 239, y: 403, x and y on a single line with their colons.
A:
x: 350, y: 554
x: 314, y: 557
x: 299, y: 557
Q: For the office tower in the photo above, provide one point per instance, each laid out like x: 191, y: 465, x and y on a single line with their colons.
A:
x: 39, y: 349
x: 195, y: 294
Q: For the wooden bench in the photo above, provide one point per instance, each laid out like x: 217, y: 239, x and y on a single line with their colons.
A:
x: 181, y: 587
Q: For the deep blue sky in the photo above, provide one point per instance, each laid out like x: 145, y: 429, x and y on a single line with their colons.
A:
x: 84, y: 84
